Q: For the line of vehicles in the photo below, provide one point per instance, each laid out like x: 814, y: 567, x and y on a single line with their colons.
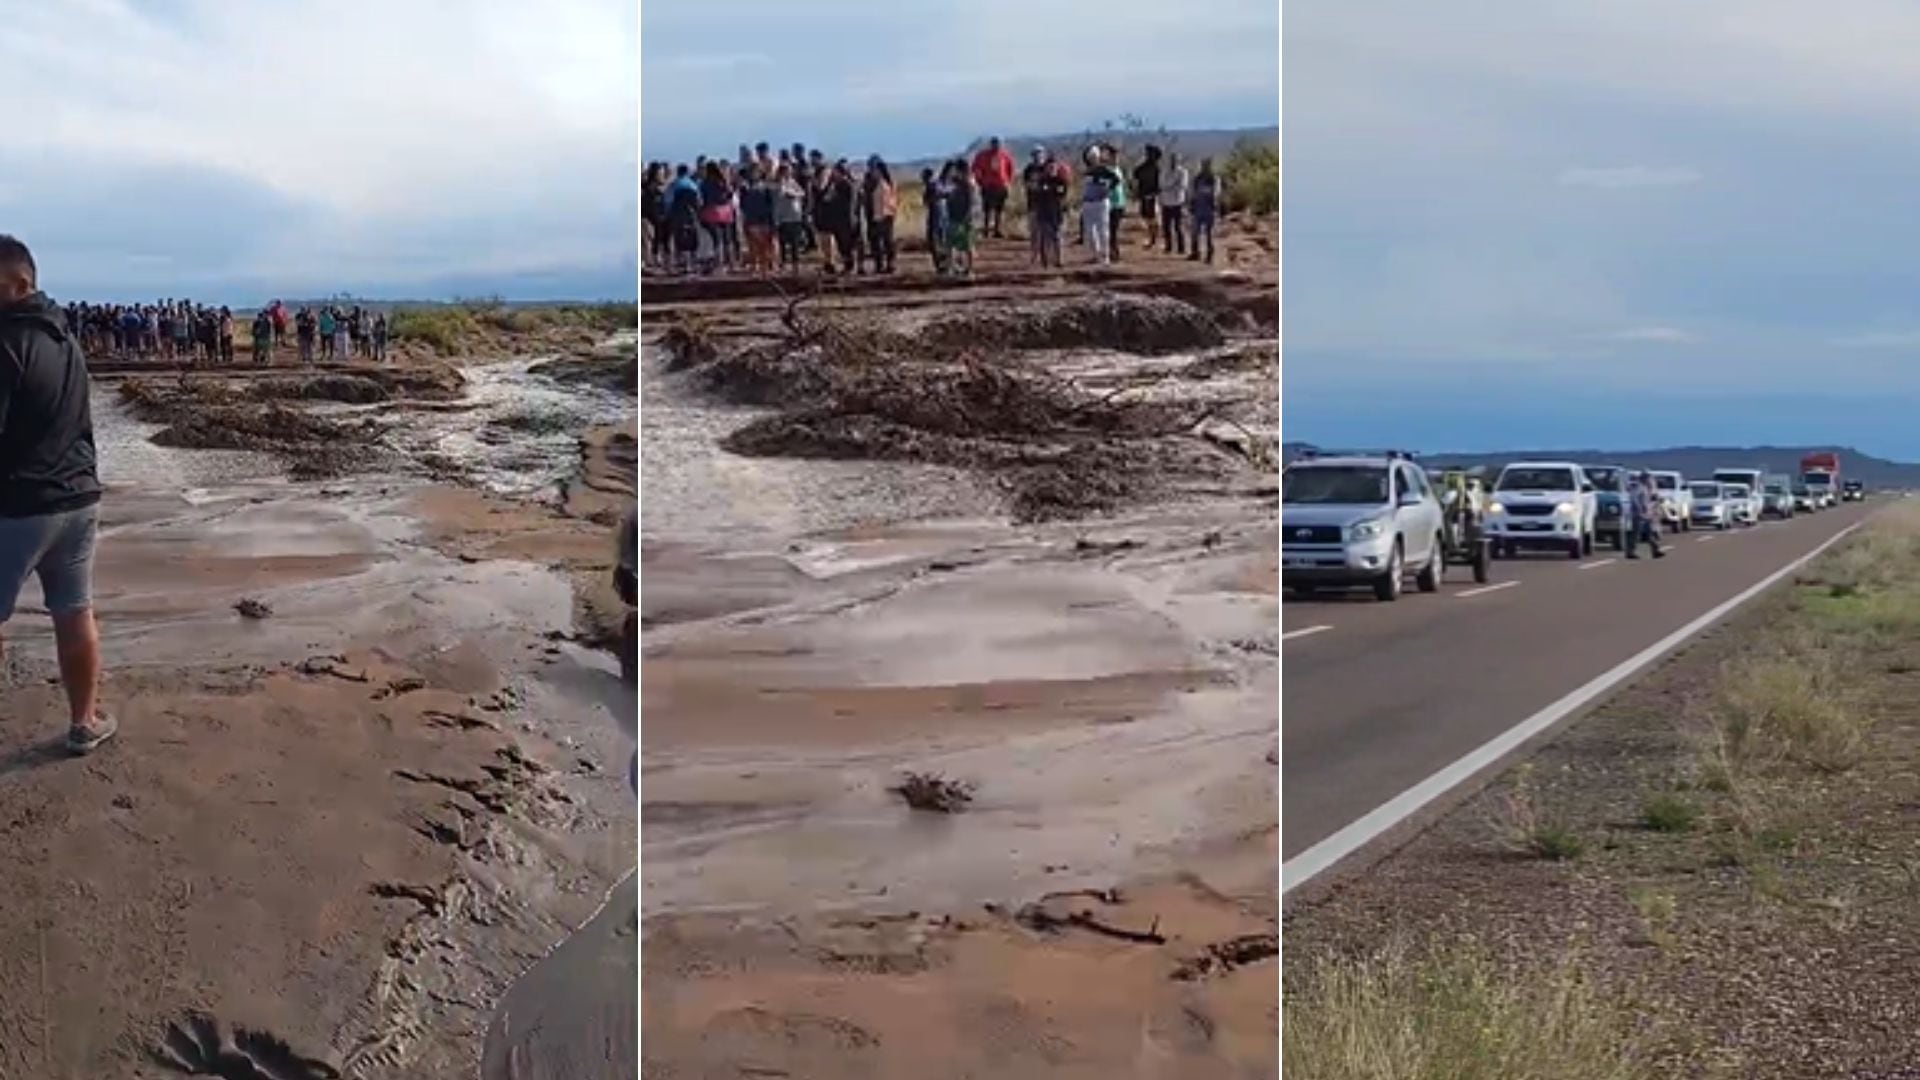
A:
x: 1375, y: 519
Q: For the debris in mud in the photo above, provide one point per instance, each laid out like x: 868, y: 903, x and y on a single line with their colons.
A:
x: 1086, y: 546
x: 860, y: 391
x: 1118, y: 321
x: 335, y: 666
x: 426, y: 896
x: 195, y: 1047
x: 1223, y: 956
x: 406, y: 684
x: 253, y: 608
x: 1039, y: 917
x: 935, y: 793
x: 615, y: 369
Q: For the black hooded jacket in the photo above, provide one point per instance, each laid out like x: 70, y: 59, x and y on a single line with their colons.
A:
x: 47, y: 463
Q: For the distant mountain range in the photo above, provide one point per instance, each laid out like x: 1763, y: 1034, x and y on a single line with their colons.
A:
x: 1691, y: 461
x: 1192, y: 144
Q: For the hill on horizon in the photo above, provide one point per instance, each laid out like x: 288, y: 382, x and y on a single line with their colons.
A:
x: 1192, y: 144
x: 1690, y: 461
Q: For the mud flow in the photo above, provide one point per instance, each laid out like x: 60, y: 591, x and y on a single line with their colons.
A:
x: 373, y: 753
x: 960, y: 682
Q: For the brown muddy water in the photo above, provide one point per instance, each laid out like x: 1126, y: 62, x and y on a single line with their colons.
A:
x: 187, y: 534
x: 697, y: 492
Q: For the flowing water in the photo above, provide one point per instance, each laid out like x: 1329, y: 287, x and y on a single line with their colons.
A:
x: 696, y: 491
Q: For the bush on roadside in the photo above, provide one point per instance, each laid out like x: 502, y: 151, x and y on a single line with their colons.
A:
x: 1453, y: 1011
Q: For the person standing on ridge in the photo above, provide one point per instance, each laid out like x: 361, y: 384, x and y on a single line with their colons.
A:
x: 962, y: 194
x: 262, y: 337
x: 789, y: 217
x: 1205, y: 203
x: 1174, y: 183
x: 880, y: 205
x: 1047, y: 186
x: 993, y: 173
x: 49, y: 485
x: 1096, y: 209
x: 1146, y: 187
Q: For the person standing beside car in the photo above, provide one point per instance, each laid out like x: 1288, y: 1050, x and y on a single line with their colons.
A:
x: 1645, y: 506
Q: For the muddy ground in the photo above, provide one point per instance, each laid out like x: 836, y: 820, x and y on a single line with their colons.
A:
x: 1086, y: 668
x: 367, y: 771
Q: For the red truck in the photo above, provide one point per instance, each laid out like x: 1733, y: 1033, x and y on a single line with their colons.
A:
x: 1820, y: 475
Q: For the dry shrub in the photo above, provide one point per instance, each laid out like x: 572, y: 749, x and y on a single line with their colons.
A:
x: 1790, y: 700
x: 1453, y: 1011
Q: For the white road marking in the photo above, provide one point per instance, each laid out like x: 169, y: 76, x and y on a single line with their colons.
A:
x: 1303, y: 632
x: 1486, y: 589
x: 1591, y: 565
x: 1310, y: 863
x: 1703, y: 539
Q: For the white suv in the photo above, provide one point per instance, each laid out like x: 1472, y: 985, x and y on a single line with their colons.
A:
x: 1542, y: 504
x: 1359, y: 520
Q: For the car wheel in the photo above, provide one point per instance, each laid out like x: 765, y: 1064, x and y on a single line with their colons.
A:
x: 1386, y: 587
x: 1429, y: 579
x: 1586, y: 544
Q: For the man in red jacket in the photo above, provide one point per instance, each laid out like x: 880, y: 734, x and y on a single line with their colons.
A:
x: 993, y: 171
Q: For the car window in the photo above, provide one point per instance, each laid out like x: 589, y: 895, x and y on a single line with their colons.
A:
x: 1417, y: 482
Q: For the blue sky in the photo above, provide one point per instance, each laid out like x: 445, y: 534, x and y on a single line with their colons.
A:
x: 1620, y: 225
x: 913, y: 79
x: 296, y: 147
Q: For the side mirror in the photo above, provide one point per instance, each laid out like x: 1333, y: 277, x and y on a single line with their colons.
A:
x: 1586, y: 485
x: 1409, y: 498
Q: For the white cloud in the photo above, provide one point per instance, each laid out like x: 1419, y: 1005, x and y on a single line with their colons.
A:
x: 1630, y: 176
x: 1659, y: 335
x: 365, y: 115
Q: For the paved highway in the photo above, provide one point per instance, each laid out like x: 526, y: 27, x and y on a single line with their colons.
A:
x: 1382, y: 702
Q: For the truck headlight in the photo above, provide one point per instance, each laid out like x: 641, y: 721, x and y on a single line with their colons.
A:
x: 1497, y: 508
x: 1367, y: 530
x: 1564, y: 510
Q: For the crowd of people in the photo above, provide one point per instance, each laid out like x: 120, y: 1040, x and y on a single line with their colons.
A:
x: 182, y: 330
x: 768, y: 211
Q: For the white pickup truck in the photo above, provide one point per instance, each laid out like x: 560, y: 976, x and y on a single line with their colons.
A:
x: 1542, y: 504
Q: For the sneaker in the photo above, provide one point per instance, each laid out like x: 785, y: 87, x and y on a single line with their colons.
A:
x: 86, y: 738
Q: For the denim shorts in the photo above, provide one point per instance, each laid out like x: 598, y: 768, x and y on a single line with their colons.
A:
x: 59, y: 548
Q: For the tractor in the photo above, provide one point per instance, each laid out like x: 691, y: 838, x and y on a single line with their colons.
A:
x: 1463, y: 504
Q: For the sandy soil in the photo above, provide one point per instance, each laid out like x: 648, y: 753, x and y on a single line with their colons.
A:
x: 335, y: 833
x: 1103, y: 906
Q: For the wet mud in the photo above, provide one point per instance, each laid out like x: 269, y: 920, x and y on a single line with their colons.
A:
x: 960, y: 677
x: 960, y: 390
x: 372, y: 760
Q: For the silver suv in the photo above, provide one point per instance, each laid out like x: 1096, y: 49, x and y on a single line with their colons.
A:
x: 1359, y: 520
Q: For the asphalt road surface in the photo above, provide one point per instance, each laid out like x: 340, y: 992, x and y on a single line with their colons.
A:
x: 1378, y: 698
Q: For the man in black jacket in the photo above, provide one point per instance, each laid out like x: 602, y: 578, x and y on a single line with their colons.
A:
x: 49, y: 486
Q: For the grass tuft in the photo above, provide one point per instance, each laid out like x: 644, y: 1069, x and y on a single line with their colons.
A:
x: 1453, y: 1012
x: 1669, y: 813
